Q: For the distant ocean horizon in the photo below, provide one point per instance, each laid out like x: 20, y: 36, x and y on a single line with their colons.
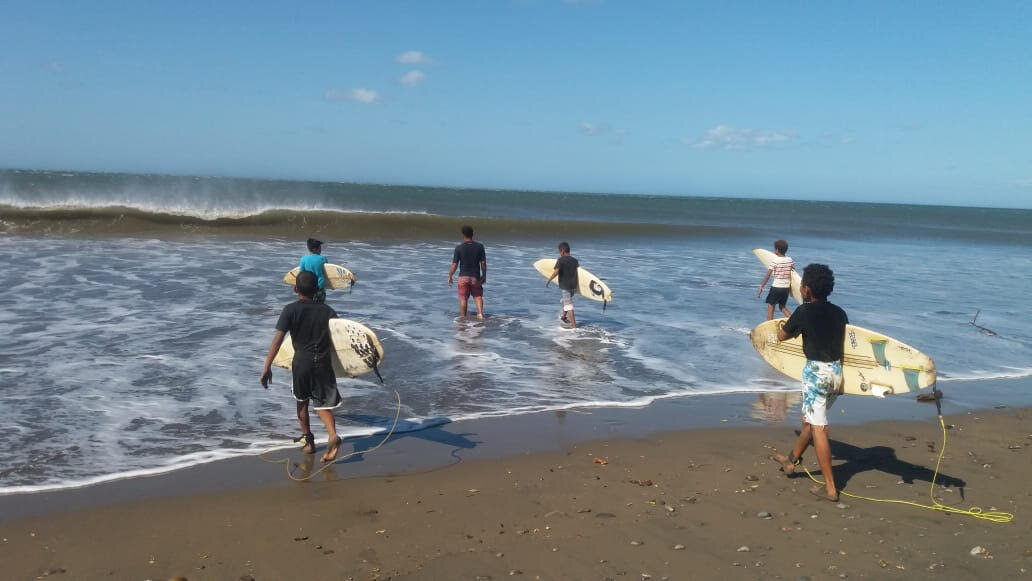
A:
x: 95, y: 203
x: 138, y: 308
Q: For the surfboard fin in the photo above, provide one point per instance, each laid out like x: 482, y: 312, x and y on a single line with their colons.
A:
x: 880, y: 390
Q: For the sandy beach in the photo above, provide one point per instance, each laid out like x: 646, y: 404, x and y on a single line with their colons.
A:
x: 684, y: 504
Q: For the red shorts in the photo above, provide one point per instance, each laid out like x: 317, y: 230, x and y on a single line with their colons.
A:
x: 470, y: 286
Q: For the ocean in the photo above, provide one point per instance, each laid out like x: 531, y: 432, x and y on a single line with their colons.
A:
x: 138, y: 308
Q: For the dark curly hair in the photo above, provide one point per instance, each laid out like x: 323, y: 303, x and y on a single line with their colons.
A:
x: 307, y: 283
x: 820, y: 279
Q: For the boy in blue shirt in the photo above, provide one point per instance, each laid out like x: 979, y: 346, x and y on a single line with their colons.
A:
x: 315, y: 263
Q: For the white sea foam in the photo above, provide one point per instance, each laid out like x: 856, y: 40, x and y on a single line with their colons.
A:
x: 982, y: 375
x: 147, y: 354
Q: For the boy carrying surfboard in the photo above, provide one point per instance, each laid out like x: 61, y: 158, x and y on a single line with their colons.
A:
x: 823, y: 327
x: 781, y: 267
x: 308, y: 323
x: 566, y: 271
x: 314, y: 262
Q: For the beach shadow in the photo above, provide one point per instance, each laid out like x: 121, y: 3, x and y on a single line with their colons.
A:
x: 883, y: 459
x: 431, y: 430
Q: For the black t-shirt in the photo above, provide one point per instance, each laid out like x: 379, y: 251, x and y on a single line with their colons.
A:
x: 308, y: 323
x: 567, y: 266
x: 468, y: 256
x: 823, y: 326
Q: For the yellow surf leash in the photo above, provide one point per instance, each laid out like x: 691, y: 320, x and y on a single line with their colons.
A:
x: 995, y: 516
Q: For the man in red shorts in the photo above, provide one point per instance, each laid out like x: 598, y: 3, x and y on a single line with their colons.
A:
x: 471, y: 262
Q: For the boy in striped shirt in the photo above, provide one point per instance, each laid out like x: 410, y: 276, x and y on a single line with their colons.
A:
x: 781, y: 267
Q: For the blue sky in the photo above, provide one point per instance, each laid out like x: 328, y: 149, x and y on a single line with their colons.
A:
x: 924, y: 102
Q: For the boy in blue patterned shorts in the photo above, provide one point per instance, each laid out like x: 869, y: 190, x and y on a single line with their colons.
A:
x: 823, y: 326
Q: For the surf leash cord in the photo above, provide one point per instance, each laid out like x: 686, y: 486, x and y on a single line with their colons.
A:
x: 994, y: 516
x: 286, y: 461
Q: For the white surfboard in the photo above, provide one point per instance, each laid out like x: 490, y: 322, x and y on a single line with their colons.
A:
x: 767, y: 257
x: 337, y: 277
x: 588, y: 285
x: 872, y: 364
x: 357, y: 351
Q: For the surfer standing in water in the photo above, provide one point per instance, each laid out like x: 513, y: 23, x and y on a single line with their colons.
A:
x: 781, y: 267
x: 315, y: 263
x: 471, y: 261
x: 823, y: 326
x: 566, y: 270
x: 308, y: 323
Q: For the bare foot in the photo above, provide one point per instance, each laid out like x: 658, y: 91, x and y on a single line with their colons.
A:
x: 480, y: 316
x: 786, y: 464
x: 822, y: 493
x: 331, y: 450
x: 309, y: 446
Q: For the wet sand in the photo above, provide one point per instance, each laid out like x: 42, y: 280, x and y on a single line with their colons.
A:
x: 687, y: 504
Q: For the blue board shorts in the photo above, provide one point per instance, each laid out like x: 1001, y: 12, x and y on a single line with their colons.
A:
x: 822, y: 381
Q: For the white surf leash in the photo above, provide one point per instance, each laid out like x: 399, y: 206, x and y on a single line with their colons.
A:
x: 287, y: 461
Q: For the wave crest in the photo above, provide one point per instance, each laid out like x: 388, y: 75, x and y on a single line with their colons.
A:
x: 62, y: 220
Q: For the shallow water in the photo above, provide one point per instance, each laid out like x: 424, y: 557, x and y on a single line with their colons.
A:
x: 137, y: 350
x: 131, y: 355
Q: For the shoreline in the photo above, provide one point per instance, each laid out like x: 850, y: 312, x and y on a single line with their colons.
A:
x: 528, y: 500
x: 444, y: 444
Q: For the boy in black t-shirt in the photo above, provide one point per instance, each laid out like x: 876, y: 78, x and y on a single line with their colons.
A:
x: 308, y: 323
x: 823, y: 326
x: 470, y: 260
x: 566, y: 271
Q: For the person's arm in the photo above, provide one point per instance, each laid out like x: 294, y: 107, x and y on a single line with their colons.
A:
x: 451, y: 272
x: 483, y: 269
x: 764, y: 283
x: 555, y: 273
x: 277, y: 341
x: 790, y: 328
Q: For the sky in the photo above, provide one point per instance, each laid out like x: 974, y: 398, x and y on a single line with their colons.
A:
x: 912, y: 102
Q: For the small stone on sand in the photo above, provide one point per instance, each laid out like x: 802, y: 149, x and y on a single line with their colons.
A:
x: 743, y: 549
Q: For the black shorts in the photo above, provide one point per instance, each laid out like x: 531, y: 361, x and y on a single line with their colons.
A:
x: 778, y: 296
x: 314, y: 381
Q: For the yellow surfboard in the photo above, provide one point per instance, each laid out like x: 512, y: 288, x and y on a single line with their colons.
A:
x: 588, y: 285
x: 337, y: 276
x: 356, y: 350
x: 872, y: 363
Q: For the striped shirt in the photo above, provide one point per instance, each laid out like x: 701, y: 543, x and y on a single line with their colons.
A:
x: 782, y: 267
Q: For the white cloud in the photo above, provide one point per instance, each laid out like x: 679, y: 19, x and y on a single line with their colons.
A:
x: 732, y: 138
x: 588, y: 128
x: 360, y: 95
x: 414, y: 57
x: 413, y: 78
x: 602, y: 130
